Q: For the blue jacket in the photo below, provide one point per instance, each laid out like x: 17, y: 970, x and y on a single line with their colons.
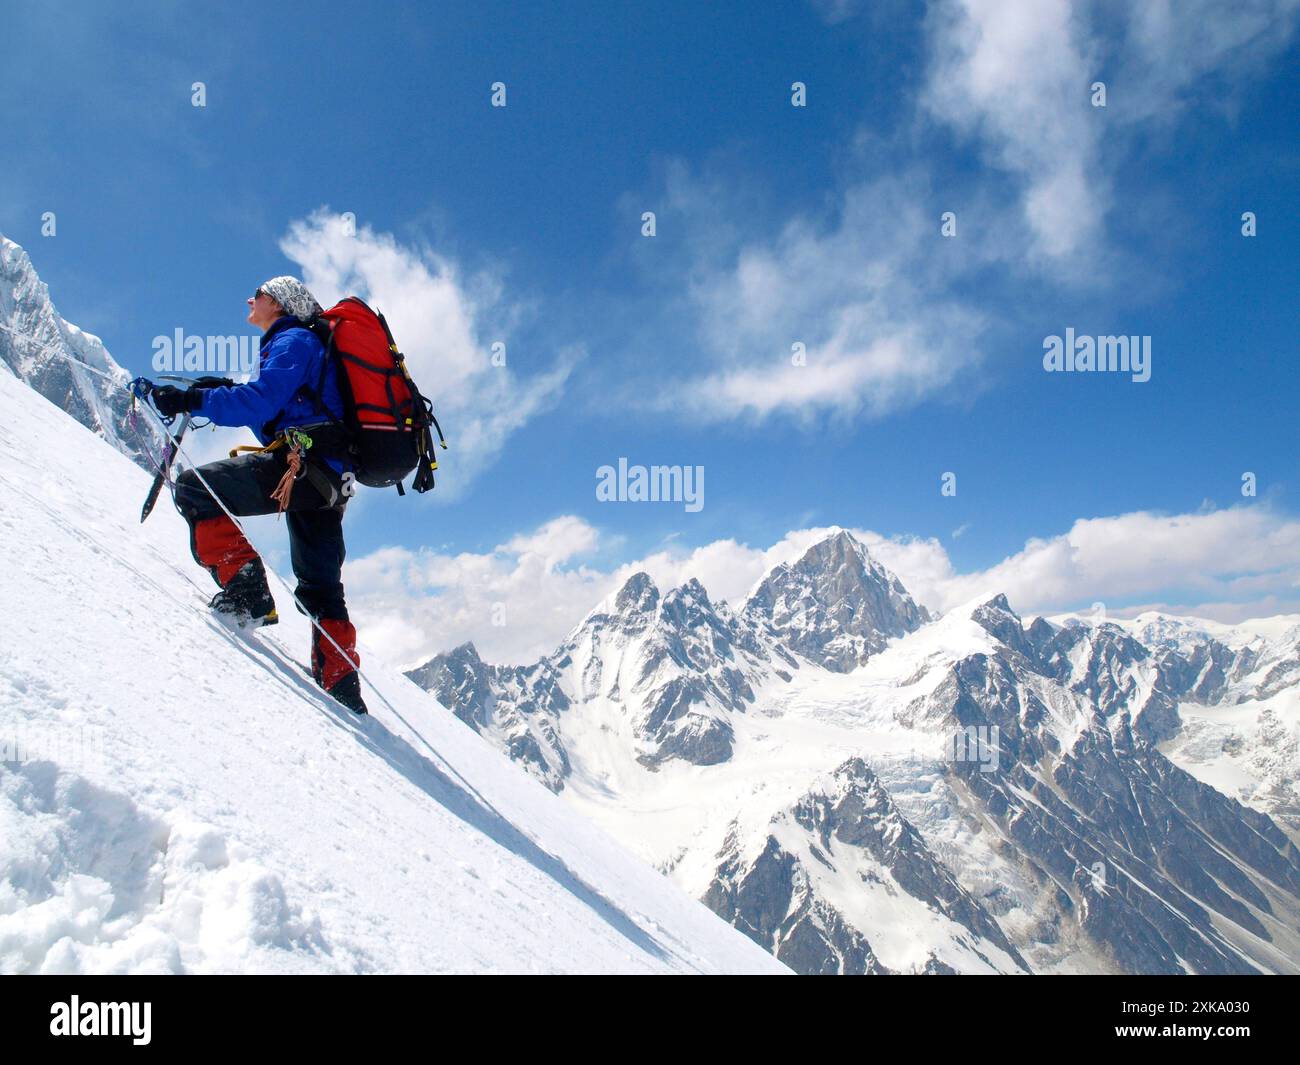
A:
x: 290, y: 364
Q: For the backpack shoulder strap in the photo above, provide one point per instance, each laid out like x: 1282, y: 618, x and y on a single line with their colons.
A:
x: 315, y: 326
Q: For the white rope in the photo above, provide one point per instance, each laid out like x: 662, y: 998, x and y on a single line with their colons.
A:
x: 315, y: 624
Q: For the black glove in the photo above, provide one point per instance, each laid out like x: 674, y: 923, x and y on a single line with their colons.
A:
x: 170, y: 400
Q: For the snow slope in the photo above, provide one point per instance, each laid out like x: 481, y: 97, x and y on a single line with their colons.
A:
x: 175, y: 797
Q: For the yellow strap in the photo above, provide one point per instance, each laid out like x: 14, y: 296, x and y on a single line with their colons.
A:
x: 277, y: 442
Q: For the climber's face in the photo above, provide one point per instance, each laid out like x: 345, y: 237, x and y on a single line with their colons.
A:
x: 263, y: 310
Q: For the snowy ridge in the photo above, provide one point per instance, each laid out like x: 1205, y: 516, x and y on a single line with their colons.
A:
x: 1222, y: 701
x: 648, y: 678
x: 175, y: 797
x: 41, y: 349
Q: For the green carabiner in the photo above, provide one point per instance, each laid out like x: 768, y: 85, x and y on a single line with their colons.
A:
x: 297, y: 438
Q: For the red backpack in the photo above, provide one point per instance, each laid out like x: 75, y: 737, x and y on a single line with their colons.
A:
x: 387, y: 419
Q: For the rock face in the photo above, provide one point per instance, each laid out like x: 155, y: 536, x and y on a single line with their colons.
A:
x: 1208, y: 695
x: 515, y: 707
x: 1106, y: 664
x: 836, y: 606
x: 850, y: 830
x: 1147, y: 856
x: 675, y: 668
x: 863, y: 789
x: 42, y: 349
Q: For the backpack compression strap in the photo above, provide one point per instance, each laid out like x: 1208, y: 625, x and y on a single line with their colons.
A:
x: 421, y: 418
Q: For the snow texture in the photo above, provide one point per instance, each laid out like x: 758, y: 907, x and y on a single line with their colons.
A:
x: 177, y: 797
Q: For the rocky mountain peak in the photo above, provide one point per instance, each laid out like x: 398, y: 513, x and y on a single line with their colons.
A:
x: 998, y: 619
x: 637, y: 596
x: 836, y: 605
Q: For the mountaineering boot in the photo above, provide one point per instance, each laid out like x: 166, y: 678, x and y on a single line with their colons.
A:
x: 348, y: 692
x: 335, y: 672
x: 245, y: 600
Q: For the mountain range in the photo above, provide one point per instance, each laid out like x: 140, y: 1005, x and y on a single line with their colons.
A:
x: 863, y: 787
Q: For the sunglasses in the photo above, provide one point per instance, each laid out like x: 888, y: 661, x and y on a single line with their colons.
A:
x: 259, y: 293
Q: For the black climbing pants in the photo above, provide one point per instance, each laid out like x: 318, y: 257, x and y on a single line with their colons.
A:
x: 314, y: 518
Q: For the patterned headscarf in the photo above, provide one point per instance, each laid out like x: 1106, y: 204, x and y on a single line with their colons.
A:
x: 292, y: 295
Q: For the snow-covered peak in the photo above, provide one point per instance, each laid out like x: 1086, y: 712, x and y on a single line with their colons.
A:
x: 997, y: 618
x: 692, y: 592
x: 1186, y: 632
x: 639, y: 595
x: 835, y: 605
x: 461, y: 679
x: 42, y: 349
x: 466, y: 652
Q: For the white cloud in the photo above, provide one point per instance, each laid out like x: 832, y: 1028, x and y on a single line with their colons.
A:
x: 874, y: 378
x: 1016, y: 76
x: 856, y: 290
x: 441, y: 320
x: 866, y: 283
x: 1170, y: 48
x: 882, y: 326
x: 1247, y: 554
x: 554, y: 543
x: 514, y: 602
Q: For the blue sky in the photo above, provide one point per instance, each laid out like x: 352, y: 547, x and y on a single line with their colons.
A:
x: 775, y: 224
